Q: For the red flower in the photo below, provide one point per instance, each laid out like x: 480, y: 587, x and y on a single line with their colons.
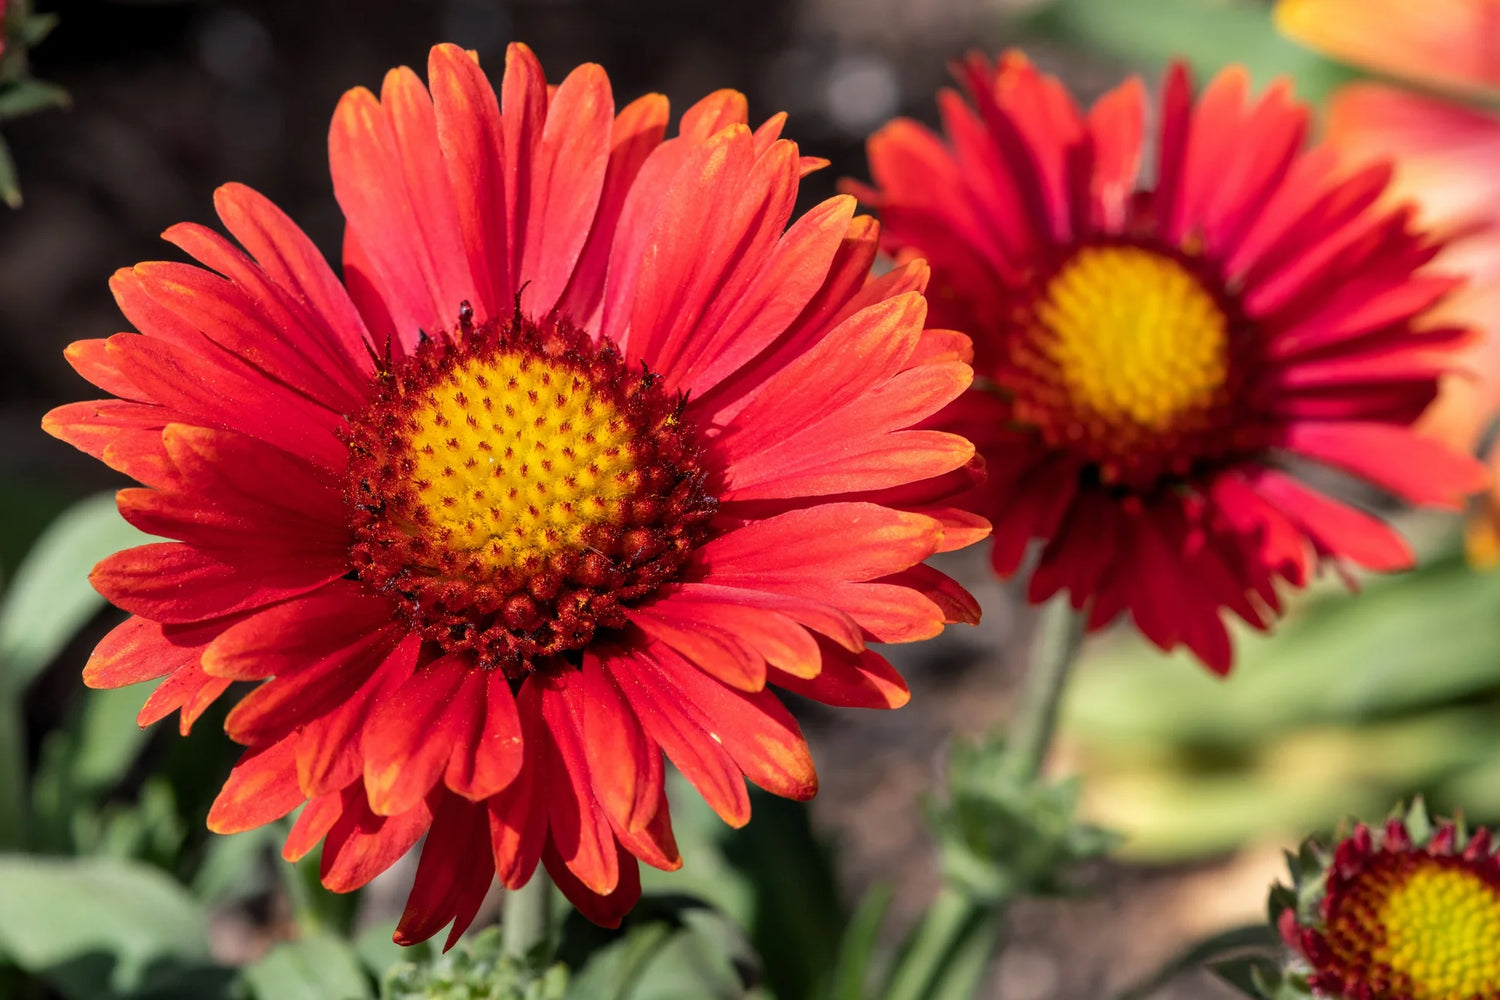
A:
x: 1398, y: 920
x: 1152, y: 354
x: 589, y: 452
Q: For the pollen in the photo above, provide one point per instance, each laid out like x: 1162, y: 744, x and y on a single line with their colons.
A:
x: 1126, y: 356
x: 517, y: 458
x: 1135, y: 337
x: 1442, y: 932
x: 1419, y: 927
x: 515, y: 487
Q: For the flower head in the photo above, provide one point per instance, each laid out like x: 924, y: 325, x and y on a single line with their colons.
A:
x: 1401, y: 917
x: 1444, y: 153
x: 587, y: 449
x: 1151, y: 354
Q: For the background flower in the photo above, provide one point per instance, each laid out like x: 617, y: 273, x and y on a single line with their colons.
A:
x: 1152, y: 350
x: 1409, y: 910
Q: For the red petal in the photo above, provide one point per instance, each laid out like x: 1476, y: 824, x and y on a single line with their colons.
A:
x: 453, y: 875
x: 523, y: 113
x: 850, y: 680
x: 1417, y: 469
x: 171, y: 583
x: 189, y: 689
x: 638, y: 130
x: 469, y: 134
x: 518, y: 814
x: 297, y: 633
x: 361, y: 845
x: 816, y: 545
x: 412, y: 734
x: 568, y: 176
x: 756, y: 729
x: 329, y: 751
x: 580, y: 832
x: 678, y: 730
x: 493, y: 754
x: 768, y: 636
x: 139, y: 649
x: 286, y: 703
x: 316, y: 819
x: 1341, y: 530
x: 605, y: 910
x: 262, y: 788
x: 291, y: 260
x: 705, y: 639
x: 625, y: 767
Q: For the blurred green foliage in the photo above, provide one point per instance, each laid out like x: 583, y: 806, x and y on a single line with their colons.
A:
x: 1208, y: 34
x: 20, y: 92
x: 1352, y: 704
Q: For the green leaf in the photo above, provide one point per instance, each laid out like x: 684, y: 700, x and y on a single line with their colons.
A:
x: 109, y: 738
x: 316, y: 966
x: 670, y: 948
x: 83, y: 761
x: 946, y: 949
x: 378, y: 950
x: 856, y: 955
x: 775, y: 878
x: 710, y: 959
x: 232, y: 867
x: 49, y: 598
x: 611, y: 971
x: 1216, y: 948
x: 10, y: 184
x: 97, y: 927
x: 35, y: 28
x: 970, y: 960
x: 24, y: 97
x: 799, y: 917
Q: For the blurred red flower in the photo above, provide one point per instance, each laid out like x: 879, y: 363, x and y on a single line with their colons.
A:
x: 1152, y: 353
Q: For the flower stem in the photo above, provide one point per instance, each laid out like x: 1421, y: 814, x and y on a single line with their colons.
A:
x: 940, y: 959
x: 526, y: 916
x: 1059, y: 636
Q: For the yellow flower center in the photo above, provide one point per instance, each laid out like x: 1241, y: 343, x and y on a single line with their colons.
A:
x: 517, y: 458
x: 1126, y: 358
x: 515, y: 487
x: 1442, y: 934
x: 1137, y: 340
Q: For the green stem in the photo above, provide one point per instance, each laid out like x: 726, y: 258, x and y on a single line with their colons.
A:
x: 947, y: 955
x: 1059, y: 636
x: 526, y: 916
x: 953, y: 925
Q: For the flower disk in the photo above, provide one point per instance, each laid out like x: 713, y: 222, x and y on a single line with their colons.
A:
x: 1407, y: 922
x: 514, y: 489
x: 1126, y: 361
